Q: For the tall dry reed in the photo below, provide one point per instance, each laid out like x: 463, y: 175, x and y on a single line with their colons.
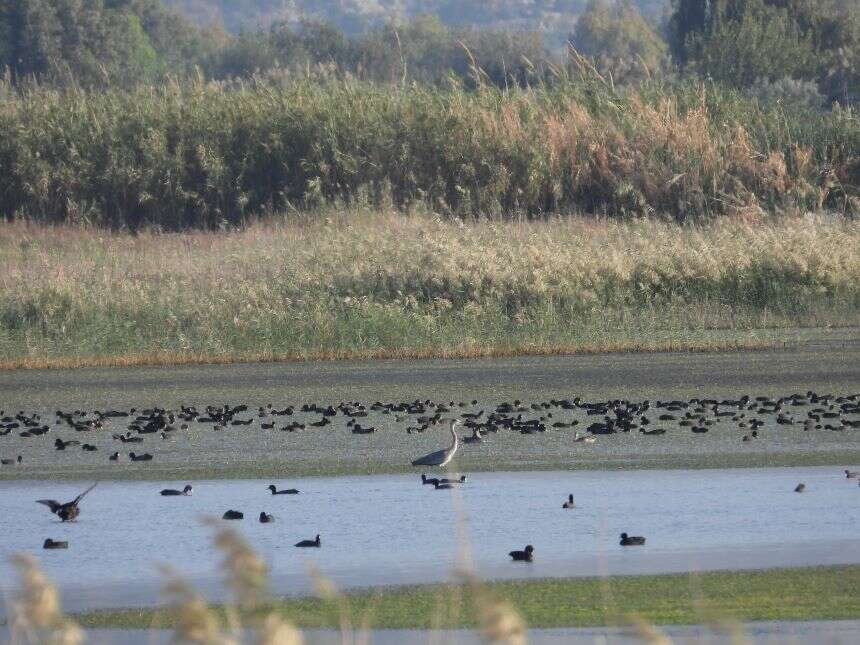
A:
x: 36, y: 615
x: 209, y: 155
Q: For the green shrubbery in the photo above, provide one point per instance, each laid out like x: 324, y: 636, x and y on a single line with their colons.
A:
x: 202, y: 155
x: 108, y: 116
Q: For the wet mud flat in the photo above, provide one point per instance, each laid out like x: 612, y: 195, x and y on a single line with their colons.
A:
x: 264, y: 446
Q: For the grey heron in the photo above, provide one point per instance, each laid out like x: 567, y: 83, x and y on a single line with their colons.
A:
x: 441, y: 457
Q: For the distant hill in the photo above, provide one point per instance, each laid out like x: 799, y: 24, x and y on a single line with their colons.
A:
x: 555, y: 17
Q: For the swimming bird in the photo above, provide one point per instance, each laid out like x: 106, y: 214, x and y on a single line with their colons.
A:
x: 441, y: 457
x: 431, y: 481
x: 631, y: 540
x: 460, y: 480
x: 286, y: 491
x: 13, y: 462
x: 849, y: 474
x: 309, y: 543
x: 265, y: 518
x: 800, y: 488
x: 171, y: 492
x: 68, y: 511
x: 526, y: 555
x: 144, y: 457
x: 569, y: 503
x: 233, y: 515
x: 54, y: 544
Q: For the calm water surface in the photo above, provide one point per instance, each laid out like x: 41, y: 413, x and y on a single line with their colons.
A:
x: 837, y: 632
x: 392, y: 530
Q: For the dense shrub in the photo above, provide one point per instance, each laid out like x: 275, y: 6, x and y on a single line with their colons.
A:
x: 201, y: 155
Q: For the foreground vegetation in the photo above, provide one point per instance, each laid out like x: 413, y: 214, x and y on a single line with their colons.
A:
x: 360, y: 284
x: 825, y: 593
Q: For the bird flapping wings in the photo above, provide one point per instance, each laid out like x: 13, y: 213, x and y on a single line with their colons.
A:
x: 50, y: 503
x: 81, y: 496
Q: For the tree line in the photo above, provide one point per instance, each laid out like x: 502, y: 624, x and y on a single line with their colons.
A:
x: 805, y: 50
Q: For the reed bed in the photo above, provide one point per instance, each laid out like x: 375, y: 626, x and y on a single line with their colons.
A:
x: 198, y: 155
x: 360, y: 284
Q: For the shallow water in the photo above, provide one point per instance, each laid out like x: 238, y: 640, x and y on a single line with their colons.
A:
x: 761, y: 633
x: 392, y: 530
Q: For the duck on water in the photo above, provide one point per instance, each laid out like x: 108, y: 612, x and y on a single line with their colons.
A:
x: 526, y: 555
x: 309, y: 543
x: 171, y: 492
x: 286, y: 491
x: 632, y: 540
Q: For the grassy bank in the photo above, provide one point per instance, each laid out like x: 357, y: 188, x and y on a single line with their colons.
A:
x: 822, y: 593
x: 201, y: 155
x: 360, y: 284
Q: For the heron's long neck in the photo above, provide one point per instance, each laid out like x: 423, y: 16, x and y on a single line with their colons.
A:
x: 453, y: 437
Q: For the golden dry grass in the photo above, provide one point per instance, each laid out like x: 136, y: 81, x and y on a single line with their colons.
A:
x: 359, y: 284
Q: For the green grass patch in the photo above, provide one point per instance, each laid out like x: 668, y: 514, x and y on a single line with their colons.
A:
x: 819, y: 593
